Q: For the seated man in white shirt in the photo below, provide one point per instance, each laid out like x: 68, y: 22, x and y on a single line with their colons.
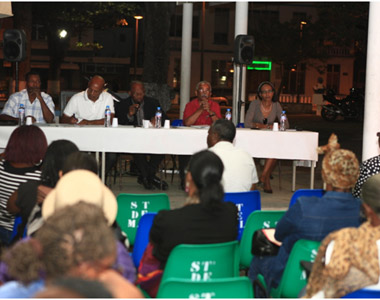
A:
x: 239, y: 168
x: 38, y: 105
x: 88, y: 108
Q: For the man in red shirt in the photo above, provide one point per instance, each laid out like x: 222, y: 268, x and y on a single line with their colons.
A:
x: 202, y: 110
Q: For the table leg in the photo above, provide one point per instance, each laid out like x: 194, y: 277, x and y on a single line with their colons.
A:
x: 103, y: 167
x: 312, y: 175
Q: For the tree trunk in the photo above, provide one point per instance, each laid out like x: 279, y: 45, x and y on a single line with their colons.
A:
x: 156, y: 51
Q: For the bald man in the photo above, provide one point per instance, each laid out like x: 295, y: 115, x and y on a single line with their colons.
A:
x: 88, y: 107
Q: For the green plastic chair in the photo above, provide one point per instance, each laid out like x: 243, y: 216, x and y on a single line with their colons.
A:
x: 203, y: 262
x: 132, y: 206
x: 257, y: 220
x: 294, y: 277
x: 233, y: 287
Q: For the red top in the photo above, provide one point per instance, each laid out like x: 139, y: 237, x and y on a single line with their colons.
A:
x: 204, y: 118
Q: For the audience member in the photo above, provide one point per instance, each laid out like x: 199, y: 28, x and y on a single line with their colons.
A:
x: 200, y: 111
x: 348, y: 259
x: 27, y: 200
x: 262, y: 113
x: 74, y: 287
x: 205, y: 218
x: 22, y: 157
x: 80, y: 161
x: 313, y: 218
x: 75, y: 240
x: 83, y: 185
x: 239, y: 168
x: 132, y: 111
x: 88, y: 108
x: 368, y: 168
x: 41, y: 111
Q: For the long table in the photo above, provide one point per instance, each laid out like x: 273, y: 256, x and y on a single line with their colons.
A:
x: 291, y: 144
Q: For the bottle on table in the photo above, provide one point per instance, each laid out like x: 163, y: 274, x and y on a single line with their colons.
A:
x: 228, y: 114
x: 283, y: 121
x: 21, y: 115
x: 158, y: 117
x: 107, y: 117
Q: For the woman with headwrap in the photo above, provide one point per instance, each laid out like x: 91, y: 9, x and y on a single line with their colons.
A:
x: 313, y: 218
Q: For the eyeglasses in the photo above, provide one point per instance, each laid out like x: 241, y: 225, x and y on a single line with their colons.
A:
x: 267, y: 92
x: 265, y: 121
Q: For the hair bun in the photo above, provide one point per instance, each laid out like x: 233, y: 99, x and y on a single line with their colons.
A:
x: 331, y: 145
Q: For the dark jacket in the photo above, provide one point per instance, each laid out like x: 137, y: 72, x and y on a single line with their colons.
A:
x: 150, y: 108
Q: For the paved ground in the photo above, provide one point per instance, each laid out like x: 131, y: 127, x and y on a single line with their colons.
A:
x: 349, y: 135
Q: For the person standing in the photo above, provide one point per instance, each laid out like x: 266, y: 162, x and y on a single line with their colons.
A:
x: 132, y: 111
x: 38, y: 105
x: 262, y: 113
x: 319, y: 90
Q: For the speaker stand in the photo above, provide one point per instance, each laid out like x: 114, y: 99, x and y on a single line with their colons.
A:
x: 239, y: 104
x: 16, y: 77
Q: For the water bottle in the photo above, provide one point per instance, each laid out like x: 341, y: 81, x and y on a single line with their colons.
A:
x: 228, y: 114
x: 107, y: 117
x: 283, y: 121
x: 158, y: 117
x: 21, y: 115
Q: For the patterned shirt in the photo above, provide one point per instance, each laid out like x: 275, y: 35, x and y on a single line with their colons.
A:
x: 368, y: 168
x: 31, y: 109
x: 10, y: 179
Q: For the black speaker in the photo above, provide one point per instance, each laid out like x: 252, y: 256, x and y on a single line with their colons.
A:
x: 244, y: 48
x: 14, y: 45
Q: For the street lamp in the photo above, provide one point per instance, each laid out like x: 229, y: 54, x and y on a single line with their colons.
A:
x: 136, y: 41
x: 62, y: 33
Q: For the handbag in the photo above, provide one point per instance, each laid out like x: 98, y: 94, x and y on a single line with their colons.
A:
x: 261, y: 246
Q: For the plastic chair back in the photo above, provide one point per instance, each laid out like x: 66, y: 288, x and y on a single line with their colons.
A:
x: 364, y: 293
x: 294, y: 277
x: 203, y: 262
x: 17, y: 223
x: 307, y: 193
x: 240, y: 125
x: 233, y: 288
x: 257, y: 220
x: 132, y: 206
x: 246, y: 203
x: 142, y: 237
x: 177, y: 122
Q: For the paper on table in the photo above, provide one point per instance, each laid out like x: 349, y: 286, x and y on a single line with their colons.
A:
x: 269, y: 233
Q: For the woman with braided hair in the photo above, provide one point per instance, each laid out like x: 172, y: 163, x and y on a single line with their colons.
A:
x: 76, y: 241
x: 204, y: 219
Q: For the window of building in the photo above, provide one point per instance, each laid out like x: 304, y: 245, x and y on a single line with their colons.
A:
x: 38, y: 32
x: 221, y: 26
x: 176, y: 26
x: 295, y: 80
x: 260, y: 17
x: 222, y: 74
x: 333, y: 77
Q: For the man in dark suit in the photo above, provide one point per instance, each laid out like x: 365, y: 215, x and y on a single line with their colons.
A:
x: 132, y: 111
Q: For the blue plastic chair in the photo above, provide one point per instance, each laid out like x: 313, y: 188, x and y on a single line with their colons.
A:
x: 246, y: 203
x: 18, y: 221
x: 177, y: 122
x: 307, y: 193
x: 364, y: 293
x: 240, y: 125
x: 142, y: 237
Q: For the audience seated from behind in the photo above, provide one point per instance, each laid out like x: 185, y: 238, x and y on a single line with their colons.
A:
x: 27, y: 200
x: 368, y: 168
x: 239, y: 168
x: 204, y: 219
x: 22, y: 158
x: 313, y: 218
x: 75, y: 240
x: 348, y: 259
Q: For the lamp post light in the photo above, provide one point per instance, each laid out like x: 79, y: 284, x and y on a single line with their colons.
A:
x: 62, y: 33
x: 136, y: 42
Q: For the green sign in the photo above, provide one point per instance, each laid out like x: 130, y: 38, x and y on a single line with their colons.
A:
x: 260, y: 65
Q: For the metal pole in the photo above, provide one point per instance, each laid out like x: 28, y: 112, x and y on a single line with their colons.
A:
x: 136, y: 46
x: 16, y: 83
x: 202, y: 37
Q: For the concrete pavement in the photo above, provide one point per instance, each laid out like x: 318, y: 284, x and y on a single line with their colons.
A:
x: 277, y: 201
